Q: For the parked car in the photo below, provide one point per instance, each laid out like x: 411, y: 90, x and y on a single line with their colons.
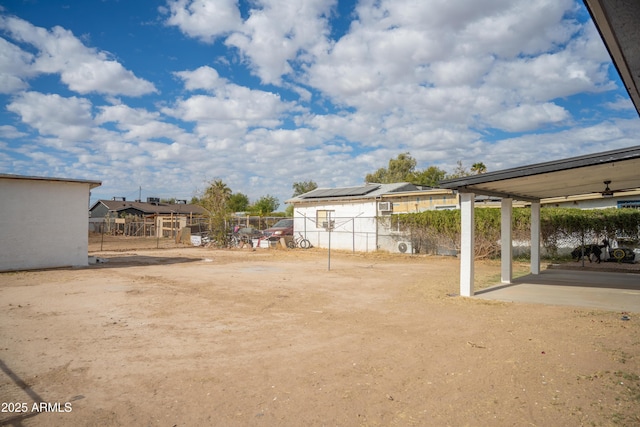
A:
x: 284, y: 227
x: 249, y: 233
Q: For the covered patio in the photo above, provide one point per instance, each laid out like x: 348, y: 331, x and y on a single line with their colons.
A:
x: 605, y: 173
x: 602, y: 290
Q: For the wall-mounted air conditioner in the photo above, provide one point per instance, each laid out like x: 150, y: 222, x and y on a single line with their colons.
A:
x: 405, y: 247
x: 385, y: 206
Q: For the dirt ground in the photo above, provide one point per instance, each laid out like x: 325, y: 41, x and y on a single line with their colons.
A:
x: 194, y: 336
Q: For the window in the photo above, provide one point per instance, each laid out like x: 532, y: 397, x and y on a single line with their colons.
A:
x: 324, y: 218
x: 633, y: 204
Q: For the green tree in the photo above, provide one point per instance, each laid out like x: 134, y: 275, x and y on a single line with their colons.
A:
x: 400, y: 169
x: 430, y: 176
x: 238, y: 202
x: 288, y: 212
x: 265, y: 205
x: 378, y: 176
x: 303, y: 187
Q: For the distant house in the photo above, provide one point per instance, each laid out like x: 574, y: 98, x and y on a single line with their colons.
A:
x: 361, y: 218
x: 358, y: 218
x: 620, y: 199
x: 150, y: 218
x: 623, y: 199
x: 43, y: 222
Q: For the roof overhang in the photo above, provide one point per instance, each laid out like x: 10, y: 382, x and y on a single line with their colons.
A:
x: 618, y: 22
x: 91, y: 183
x: 560, y: 178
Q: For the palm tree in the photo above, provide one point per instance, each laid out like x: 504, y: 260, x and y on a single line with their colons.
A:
x: 215, y: 200
x: 221, y: 189
x: 478, y: 168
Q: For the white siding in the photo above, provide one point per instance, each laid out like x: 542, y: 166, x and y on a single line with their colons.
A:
x: 43, y: 224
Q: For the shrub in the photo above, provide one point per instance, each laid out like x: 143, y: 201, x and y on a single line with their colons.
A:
x: 441, y: 228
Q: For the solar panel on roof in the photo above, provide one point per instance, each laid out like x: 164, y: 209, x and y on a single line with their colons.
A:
x: 315, y: 193
x: 341, y: 192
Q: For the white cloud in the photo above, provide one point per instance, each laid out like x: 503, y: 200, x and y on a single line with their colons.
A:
x: 13, y: 67
x: 11, y: 132
x: 528, y: 117
x: 252, y: 109
x: 82, y: 69
x: 203, y: 19
x: 138, y: 124
x: 67, y: 118
x: 549, y: 76
x: 450, y: 62
x: 620, y: 104
x: 205, y: 78
x: 460, y: 62
x: 279, y: 32
x: 276, y: 33
x: 232, y: 108
x: 515, y: 28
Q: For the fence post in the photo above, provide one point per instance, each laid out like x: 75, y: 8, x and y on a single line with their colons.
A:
x: 102, y: 235
x: 353, y: 235
x: 582, y: 247
x: 329, y: 251
x: 535, y: 238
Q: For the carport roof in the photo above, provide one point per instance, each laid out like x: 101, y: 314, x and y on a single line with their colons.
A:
x: 617, y: 21
x: 559, y: 178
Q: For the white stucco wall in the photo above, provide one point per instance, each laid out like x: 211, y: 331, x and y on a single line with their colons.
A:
x: 43, y: 224
x: 355, y: 225
x: 597, y: 202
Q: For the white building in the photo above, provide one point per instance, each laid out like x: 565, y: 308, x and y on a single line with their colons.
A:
x: 43, y: 222
x: 360, y: 218
x: 626, y: 199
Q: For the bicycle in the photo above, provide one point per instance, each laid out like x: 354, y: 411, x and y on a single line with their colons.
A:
x: 299, y: 242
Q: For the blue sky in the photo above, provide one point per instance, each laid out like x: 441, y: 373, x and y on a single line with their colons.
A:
x: 167, y: 96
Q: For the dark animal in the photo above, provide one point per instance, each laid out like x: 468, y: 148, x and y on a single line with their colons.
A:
x: 589, y: 250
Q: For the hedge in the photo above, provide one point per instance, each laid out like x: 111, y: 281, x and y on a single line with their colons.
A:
x: 435, y: 229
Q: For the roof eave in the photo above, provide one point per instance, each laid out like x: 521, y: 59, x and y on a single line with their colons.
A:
x: 611, y: 36
x: 92, y: 183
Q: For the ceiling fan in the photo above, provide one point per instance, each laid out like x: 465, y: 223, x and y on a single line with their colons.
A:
x: 607, y: 191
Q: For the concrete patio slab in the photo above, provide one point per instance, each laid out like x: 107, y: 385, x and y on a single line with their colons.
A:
x: 589, y: 289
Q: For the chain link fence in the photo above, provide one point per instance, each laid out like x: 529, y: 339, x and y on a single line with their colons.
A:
x: 160, y: 232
